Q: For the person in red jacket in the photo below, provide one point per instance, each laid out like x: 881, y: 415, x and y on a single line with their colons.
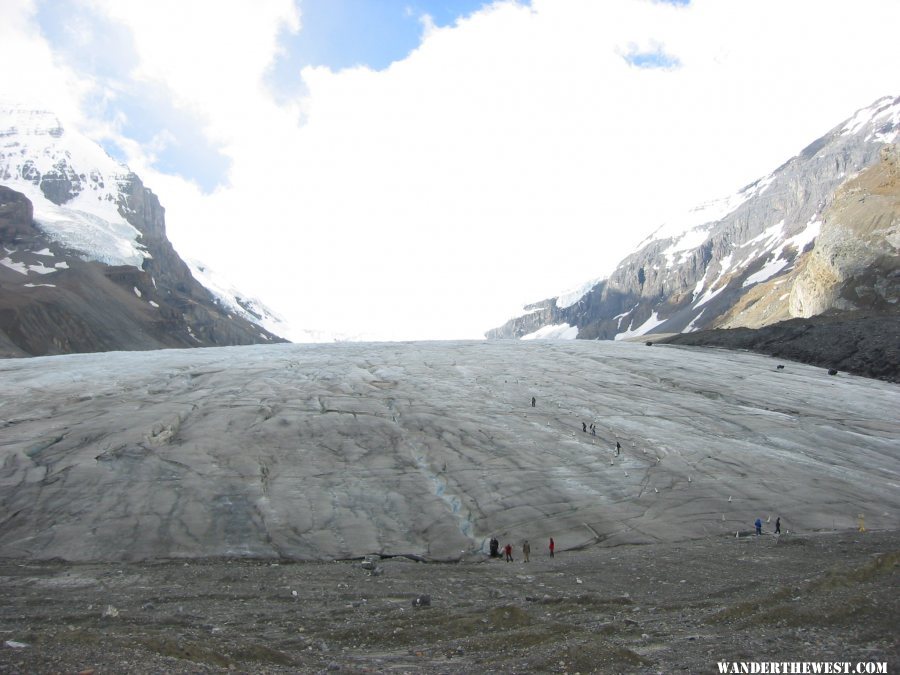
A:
x: 552, y: 546
x: 508, y: 550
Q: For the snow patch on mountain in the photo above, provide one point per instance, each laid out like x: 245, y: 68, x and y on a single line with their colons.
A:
x: 22, y: 268
x: 644, y: 328
x: 774, y: 238
x: 803, y: 239
x: 724, y: 266
x: 562, y: 331
x: 709, y: 295
x: 766, y: 236
x: 686, y: 243
x: 884, y: 113
x: 570, y: 297
x: 772, y: 267
x: 694, y: 325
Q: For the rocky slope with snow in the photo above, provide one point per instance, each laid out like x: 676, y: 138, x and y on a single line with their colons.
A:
x: 819, y: 233
x: 85, y: 263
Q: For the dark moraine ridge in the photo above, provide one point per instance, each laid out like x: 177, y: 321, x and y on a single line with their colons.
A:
x: 860, y: 343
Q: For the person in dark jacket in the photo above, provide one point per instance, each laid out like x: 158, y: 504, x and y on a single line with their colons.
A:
x: 778, y: 525
x: 495, y: 548
x: 758, y: 524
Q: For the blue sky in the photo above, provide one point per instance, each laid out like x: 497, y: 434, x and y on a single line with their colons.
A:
x: 651, y: 58
x: 342, y: 34
x: 346, y: 33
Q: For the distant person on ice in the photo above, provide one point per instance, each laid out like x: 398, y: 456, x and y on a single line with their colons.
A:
x: 526, y: 550
x: 584, y: 427
x: 508, y: 551
x: 758, y: 524
x: 618, y: 448
x: 552, y: 546
x: 495, y: 548
x: 533, y: 401
x: 778, y: 525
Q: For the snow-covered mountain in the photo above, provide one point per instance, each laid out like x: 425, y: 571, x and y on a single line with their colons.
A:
x: 86, y: 264
x: 820, y: 233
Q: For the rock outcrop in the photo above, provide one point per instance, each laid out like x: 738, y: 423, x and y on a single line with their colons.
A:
x: 16, y: 217
x: 856, y: 260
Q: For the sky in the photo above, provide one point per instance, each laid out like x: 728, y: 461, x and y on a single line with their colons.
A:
x: 421, y: 169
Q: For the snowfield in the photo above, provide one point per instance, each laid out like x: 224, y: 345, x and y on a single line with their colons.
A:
x: 333, y: 451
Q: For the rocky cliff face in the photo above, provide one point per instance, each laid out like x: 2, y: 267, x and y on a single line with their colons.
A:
x: 86, y: 264
x: 856, y: 261
x: 790, y: 244
x: 853, y: 265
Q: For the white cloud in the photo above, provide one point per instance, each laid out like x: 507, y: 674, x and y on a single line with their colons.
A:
x: 209, y: 55
x: 30, y: 74
x: 509, y: 157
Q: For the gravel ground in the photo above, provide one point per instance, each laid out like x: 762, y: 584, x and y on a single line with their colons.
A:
x: 644, y: 609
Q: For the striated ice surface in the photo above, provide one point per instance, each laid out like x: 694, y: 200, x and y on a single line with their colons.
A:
x: 329, y: 451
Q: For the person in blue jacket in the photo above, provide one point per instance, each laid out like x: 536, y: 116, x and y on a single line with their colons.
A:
x: 758, y: 526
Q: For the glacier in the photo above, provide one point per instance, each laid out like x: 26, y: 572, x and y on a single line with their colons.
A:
x: 336, y: 451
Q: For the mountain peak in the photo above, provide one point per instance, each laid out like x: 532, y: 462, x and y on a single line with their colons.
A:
x: 76, y: 188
